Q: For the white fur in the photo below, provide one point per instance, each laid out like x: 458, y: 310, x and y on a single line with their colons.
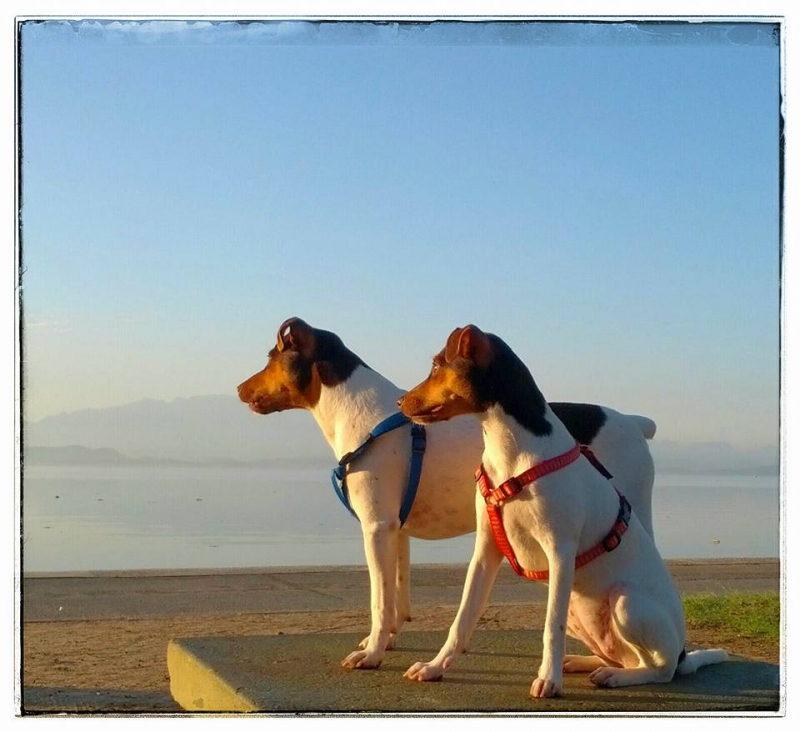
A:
x: 445, y: 503
x: 623, y: 605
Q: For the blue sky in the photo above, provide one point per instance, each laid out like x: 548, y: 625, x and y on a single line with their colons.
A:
x: 603, y: 197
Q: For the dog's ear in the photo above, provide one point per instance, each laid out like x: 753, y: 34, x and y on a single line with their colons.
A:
x: 296, y: 335
x: 451, y: 349
x: 469, y: 342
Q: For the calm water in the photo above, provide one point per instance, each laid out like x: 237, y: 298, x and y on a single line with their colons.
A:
x: 99, y: 518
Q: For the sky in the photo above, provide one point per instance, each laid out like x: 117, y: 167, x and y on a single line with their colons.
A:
x: 604, y: 197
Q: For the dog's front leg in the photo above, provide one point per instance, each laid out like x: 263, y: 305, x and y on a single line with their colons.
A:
x: 483, y: 566
x: 562, y: 572
x: 380, y: 544
x: 402, y: 588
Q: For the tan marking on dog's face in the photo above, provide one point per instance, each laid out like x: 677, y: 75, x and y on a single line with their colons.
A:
x: 449, y: 390
x: 303, y: 360
x: 446, y: 393
x: 288, y: 381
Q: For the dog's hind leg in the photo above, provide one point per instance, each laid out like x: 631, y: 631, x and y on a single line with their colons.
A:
x: 403, y: 580
x: 574, y: 664
x: 648, y: 636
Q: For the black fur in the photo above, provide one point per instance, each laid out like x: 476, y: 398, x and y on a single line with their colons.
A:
x: 584, y: 421
x: 508, y: 382
x: 335, y: 362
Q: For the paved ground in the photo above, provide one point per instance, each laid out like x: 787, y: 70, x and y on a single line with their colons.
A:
x: 105, y: 595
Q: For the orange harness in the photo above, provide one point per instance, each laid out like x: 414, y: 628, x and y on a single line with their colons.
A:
x: 495, y: 497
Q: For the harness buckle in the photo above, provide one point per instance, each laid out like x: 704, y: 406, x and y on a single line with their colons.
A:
x: 511, y: 487
x: 418, y: 440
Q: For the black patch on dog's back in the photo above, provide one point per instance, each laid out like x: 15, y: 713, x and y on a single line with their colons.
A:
x: 335, y: 362
x: 584, y: 421
x: 508, y: 382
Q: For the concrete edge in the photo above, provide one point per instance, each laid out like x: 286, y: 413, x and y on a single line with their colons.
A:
x: 196, y: 687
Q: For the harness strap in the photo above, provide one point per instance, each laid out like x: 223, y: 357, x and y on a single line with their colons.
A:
x: 337, y: 480
x: 515, y: 484
x: 418, y: 444
x: 494, y: 498
x: 589, y: 455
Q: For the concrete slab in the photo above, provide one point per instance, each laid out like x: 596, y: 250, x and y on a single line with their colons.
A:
x: 301, y: 673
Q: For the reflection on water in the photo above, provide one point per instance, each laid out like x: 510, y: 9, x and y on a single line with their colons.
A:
x: 95, y: 518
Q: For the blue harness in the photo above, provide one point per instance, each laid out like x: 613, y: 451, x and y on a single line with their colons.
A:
x: 418, y: 442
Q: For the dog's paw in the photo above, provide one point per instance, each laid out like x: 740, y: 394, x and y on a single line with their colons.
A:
x: 605, y: 676
x: 426, y: 671
x: 363, y: 659
x: 545, y: 688
x: 389, y: 643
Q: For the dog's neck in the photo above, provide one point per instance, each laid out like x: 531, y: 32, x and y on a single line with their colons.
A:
x: 510, y: 449
x: 346, y: 412
x: 507, y: 382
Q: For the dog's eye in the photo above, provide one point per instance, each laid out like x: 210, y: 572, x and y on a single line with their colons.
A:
x: 434, y: 367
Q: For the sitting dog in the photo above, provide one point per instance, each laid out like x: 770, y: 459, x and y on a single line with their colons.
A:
x: 549, y: 510
x: 312, y: 369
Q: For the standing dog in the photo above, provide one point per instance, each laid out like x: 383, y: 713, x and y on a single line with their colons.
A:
x: 550, y: 510
x: 312, y: 369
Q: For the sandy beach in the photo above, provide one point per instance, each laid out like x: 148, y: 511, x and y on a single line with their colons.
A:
x: 96, y: 643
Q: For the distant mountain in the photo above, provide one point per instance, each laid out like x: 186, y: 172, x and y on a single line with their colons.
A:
x: 197, y: 429
x: 87, y: 456
x: 80, y: 455
x: 221, y: 430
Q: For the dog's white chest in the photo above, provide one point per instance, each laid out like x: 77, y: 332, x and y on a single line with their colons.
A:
x: 524, y: 529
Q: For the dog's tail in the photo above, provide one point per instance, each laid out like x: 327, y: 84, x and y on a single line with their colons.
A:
x: 645, y: 424
x: 693, y: 660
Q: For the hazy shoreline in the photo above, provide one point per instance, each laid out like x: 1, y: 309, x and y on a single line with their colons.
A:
x: 325, y: 568
x: 68, y: 456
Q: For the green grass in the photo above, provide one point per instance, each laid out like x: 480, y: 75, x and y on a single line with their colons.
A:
x: 748, y: 616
